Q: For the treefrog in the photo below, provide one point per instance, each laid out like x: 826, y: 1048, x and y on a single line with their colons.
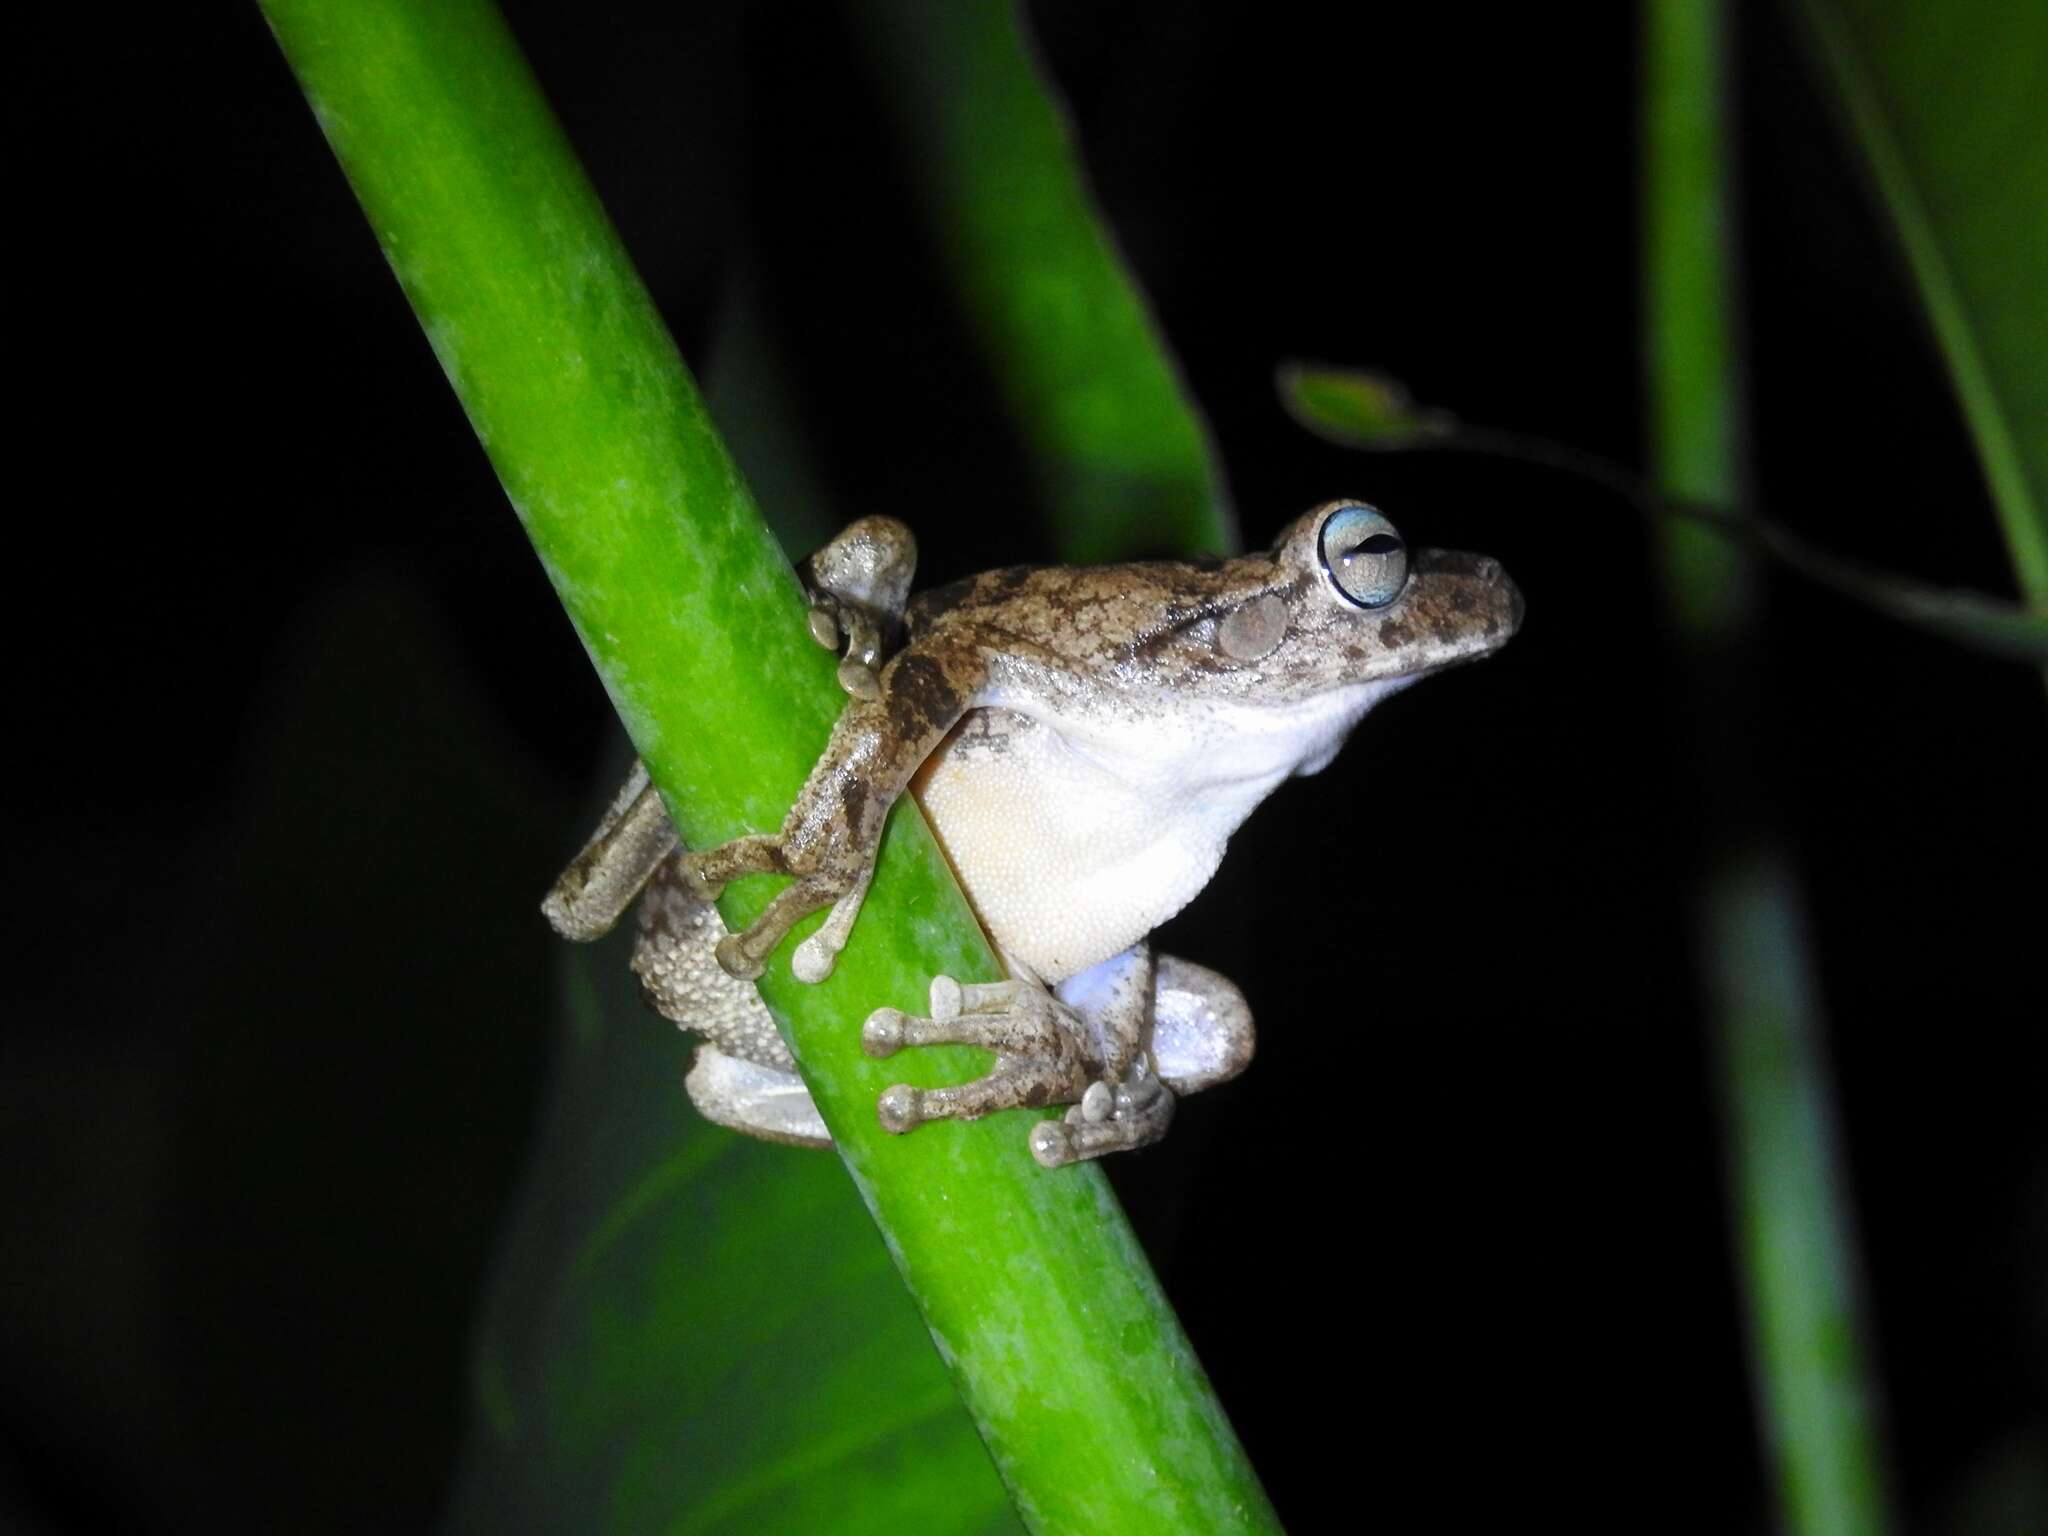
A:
x: 1084, y: 741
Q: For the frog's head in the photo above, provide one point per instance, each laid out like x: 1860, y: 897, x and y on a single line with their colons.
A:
x: 1349, y: 602
x: 1287, y: 650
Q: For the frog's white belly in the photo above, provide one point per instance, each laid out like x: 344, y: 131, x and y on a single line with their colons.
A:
x: 1065, y: 864
x: 1068, y: 861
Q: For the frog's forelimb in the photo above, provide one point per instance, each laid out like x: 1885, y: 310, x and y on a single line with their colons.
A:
x: 827, y: 843
x: 898, y: 709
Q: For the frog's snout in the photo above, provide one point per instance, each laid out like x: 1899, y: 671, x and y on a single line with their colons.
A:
x: 1489, y: 571
x: 1471, y: 597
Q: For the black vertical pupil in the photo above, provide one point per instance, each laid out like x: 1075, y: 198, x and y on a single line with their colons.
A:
x: 1377, y: 544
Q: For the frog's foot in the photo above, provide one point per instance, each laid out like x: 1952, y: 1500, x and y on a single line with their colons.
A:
x: 843, y: 627
x: 745, y: 954
x: 1038, y: 1040
x: 769, y: 1102
x: 858, y: 585
x: 1111, y: 1117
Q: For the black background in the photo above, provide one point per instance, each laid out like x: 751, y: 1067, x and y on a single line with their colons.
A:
x: 301, y: 735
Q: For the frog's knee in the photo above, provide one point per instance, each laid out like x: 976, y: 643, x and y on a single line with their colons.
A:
x: 1201, y: 1026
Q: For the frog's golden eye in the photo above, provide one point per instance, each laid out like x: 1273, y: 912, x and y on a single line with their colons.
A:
x: 1364, y: 556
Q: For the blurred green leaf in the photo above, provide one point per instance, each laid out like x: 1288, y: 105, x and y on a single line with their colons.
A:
x: 690, y: 1330
x: 1358, y: 408
x: 1794, y: 1242
x: 1949, y: 104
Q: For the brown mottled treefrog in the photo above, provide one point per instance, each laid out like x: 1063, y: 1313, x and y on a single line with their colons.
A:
x: 1083, y: 741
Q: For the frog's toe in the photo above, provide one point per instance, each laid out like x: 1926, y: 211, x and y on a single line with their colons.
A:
x: 858, y: 681
x: 1098, y: 1103
x: 882, y: 1035
x: 1041, y: 1034
x: 899, y: 1110
x: 1024, y: 1082
x: 734, y: 960
x: 697, y: 882
x: 814, y: 959
x: 951, y: 999
x: 1051, y: 1147
x: 1111, y: 1117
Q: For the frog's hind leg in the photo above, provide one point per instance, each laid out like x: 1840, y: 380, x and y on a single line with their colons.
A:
x: 1200, y: 1035
x: 829, y: 838
x: 744, y: 1076
x: 629, y: 844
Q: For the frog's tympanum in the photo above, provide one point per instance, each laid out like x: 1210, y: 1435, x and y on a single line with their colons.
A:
x: 1083, y: 741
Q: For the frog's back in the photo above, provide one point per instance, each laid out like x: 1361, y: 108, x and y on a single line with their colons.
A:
x: 1082, y: 615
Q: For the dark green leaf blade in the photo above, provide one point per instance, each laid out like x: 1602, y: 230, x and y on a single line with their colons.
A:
x: 693, y: 1331
x: 1795, y: 1245
x: 1949, y: 104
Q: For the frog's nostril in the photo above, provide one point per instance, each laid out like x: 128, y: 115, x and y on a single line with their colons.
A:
x: 1488, y: 568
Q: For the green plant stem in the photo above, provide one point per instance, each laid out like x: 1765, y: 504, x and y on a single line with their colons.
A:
x: 1792, y: 1230
x: 1034, y: 1289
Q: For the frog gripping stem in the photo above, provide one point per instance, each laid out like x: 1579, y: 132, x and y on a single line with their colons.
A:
x: 1115, y: 725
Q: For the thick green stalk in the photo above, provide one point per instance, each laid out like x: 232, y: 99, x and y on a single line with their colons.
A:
x: 1792, y: 1230
x: 1033, y: 1287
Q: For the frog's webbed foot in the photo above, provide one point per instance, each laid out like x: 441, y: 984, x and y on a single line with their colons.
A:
x: 1111, y: 1117
x: 1038, y: 1041
x: 858, y: 585
x: 1044, y: 1055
